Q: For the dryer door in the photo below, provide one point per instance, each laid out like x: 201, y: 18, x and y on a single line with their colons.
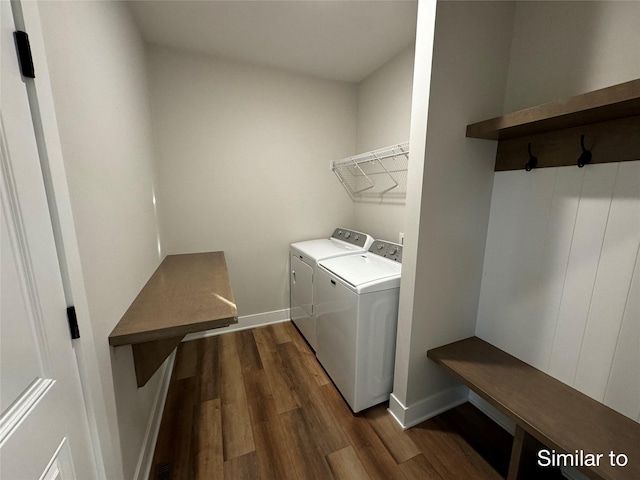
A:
x: 301, y: 285
x: 302, y: 299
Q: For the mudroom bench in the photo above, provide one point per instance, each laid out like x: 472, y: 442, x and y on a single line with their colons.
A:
x: 564, y: 420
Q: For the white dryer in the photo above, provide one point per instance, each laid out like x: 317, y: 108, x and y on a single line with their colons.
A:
x: 304, y: 258
x: 357, y: 316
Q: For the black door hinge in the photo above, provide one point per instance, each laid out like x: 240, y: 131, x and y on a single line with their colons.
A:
x: 24, y: 54
x: 73, y: 322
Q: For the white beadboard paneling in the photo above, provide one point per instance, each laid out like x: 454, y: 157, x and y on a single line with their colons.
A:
x: 561, y: 279
x: 525, y: 335
x: 511, y: 294
x: 623, y: 388
x: 553, y: 263
x: 611, y: 289
x: 589, y: 230
x: 502, y: 254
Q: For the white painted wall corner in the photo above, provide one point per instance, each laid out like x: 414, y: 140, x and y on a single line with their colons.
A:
x: 428, y: 407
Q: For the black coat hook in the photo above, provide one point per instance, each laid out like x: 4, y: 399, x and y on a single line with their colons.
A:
x: 585, y: 156
x: 533, y: 161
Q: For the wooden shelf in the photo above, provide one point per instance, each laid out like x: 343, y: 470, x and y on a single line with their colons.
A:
x: 618, y: 101
x: 186, y: 294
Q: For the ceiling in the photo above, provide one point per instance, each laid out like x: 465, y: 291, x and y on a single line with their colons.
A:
x: 340, y: 40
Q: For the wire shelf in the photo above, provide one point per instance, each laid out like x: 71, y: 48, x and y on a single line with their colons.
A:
x: 379, y: 174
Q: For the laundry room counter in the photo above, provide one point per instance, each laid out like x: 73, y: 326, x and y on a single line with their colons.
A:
x: 187, y: 293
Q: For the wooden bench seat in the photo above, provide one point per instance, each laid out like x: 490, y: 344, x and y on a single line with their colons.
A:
x: 557, y: 415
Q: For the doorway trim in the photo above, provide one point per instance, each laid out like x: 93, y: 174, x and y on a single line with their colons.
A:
x: 99, y: 400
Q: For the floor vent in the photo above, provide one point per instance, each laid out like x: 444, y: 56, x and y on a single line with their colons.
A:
x: 164, y: 471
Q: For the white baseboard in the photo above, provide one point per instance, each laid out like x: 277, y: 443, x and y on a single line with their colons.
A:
x: 245, y: 322
x: 426, y: 408
x: 143, y: 469
x: 491, y: 412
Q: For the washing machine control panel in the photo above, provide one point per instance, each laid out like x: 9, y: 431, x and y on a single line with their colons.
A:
x: 392, y: 251
x: 350, y: 236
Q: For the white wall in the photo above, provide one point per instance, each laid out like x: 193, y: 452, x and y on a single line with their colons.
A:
x: 560, y: 285
x: 384, y: 117
x: 244, y: 156
x: 97, y: 66
x: 562, y: 49
x: 446, y: 233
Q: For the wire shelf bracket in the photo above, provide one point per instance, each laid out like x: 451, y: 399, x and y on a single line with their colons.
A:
x: 379, y: 174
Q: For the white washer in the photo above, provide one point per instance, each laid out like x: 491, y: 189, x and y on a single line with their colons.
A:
x: 304, y: 260
x: 357, y: 316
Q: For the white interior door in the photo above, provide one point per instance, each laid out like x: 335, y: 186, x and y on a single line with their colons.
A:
x: 43, y: 422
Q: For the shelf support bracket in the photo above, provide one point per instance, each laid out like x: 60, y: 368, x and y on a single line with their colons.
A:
x: 148, y: 356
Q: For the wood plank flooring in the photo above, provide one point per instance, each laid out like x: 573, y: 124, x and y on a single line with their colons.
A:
x: 257, y: 404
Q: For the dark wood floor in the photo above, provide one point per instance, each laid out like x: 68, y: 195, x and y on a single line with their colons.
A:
x: 256, y: 404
